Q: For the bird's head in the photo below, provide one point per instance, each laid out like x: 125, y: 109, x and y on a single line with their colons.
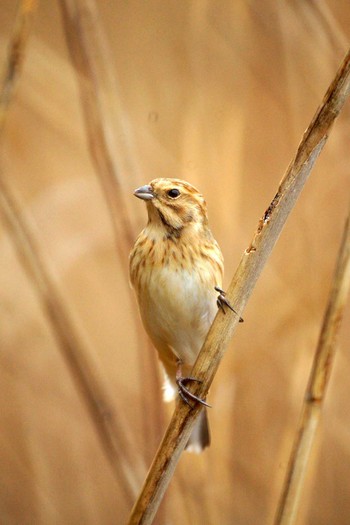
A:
x: 174, y: 205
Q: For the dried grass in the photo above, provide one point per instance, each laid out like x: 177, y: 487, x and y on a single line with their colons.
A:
x: 217, y: 94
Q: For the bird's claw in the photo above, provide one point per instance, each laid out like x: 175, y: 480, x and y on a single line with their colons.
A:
x: 222, y: 302
x: 185, y: 394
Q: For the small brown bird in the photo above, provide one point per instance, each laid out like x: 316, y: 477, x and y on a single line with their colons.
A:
x: 176, y: 270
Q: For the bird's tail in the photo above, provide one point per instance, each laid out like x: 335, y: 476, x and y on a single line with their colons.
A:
x: 200, y: 437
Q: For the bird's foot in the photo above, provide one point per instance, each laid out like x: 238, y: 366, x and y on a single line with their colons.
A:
x: 185, y: 394
x: 222, y: 302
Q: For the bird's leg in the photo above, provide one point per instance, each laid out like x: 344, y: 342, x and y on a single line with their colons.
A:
x: 222, y: 302
x: 182, y: 383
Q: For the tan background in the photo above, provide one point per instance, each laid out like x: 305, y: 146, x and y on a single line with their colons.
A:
x: 217, y: 93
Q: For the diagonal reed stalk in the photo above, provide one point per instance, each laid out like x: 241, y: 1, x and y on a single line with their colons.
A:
x: 92, y: 59
x: 107, y: 420
x: 316, y: 389
x: 240, y: 289
x: 23, y: 22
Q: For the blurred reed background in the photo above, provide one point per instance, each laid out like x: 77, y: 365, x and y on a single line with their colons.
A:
x: 217, y: 93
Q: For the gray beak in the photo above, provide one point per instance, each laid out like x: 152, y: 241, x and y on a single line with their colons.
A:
x: 145, y: 193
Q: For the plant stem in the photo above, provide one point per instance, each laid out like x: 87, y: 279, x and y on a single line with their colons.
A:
x: 316, y: 389
x: 110, y: 428
x: 24, y: 17
x: 102, y: 112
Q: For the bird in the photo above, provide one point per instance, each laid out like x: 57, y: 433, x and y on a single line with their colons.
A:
x: 176, y: 270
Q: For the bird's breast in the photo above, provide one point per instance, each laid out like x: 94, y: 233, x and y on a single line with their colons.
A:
x: 174, y: 283
x: 177, y: 308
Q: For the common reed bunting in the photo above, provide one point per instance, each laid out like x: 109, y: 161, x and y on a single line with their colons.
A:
x: 176, y: 270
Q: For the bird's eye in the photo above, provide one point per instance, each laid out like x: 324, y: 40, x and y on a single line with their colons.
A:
x: 173, y: 193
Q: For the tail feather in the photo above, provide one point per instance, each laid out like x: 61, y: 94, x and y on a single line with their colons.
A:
x: 200, y: 437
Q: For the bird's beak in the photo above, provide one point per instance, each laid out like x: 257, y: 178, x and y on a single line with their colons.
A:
x: 145, y: 193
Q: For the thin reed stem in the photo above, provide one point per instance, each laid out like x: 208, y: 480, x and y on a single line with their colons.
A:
x: 316, y: 389
x: 108, y: 425
x: 107, y: 421
x: 240, y: 289
x: 92, y: 58
x: 16, y: 50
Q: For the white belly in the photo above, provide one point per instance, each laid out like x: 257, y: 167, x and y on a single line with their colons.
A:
x: 178, y: 309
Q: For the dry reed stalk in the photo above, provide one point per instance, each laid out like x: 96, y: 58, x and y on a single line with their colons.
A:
x: 242, y: 284
x: 316, y: 389
x: 92, y: 58
x: 24, y: 18
x: 109, y: 424
x: 107, y: 420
